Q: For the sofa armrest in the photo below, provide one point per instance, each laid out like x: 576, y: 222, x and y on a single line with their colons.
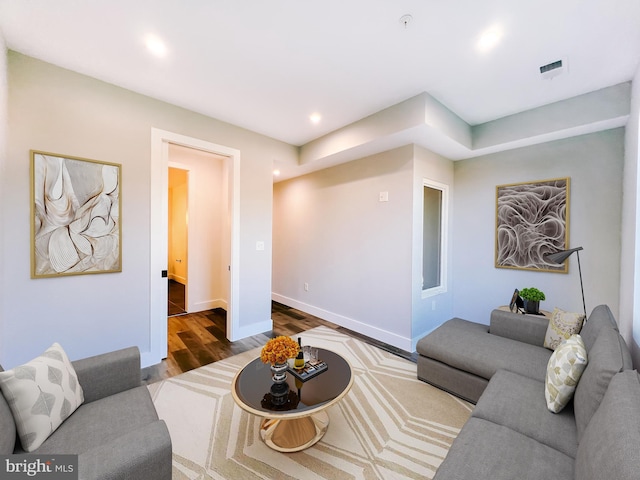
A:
x: 141, y: 455
x: 529, y: 329
x: 110, y: 373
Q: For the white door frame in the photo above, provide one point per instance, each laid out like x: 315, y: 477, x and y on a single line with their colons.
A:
x: 158, y: 244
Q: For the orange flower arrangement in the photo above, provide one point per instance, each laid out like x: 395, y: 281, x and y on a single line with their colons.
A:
x: 278, y: 350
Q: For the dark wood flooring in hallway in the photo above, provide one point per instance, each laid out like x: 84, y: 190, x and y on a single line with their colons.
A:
x: 197, y: 339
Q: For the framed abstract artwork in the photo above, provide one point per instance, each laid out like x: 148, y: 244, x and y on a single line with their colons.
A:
x: 75, y: 216
x: 532, y: 220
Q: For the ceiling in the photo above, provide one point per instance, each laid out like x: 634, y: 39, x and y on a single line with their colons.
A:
x: 268, y: 65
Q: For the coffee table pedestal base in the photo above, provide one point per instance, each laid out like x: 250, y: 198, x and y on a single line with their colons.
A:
x: 295, y: 434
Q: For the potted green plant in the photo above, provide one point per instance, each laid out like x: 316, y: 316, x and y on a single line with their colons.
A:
x: 532, y: 298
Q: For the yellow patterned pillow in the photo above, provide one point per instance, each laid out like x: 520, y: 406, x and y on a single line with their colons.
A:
x: 564, y: 370
x: 561, y: 326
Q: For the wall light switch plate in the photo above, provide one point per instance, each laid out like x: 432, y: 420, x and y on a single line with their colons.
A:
x: 384, y: 196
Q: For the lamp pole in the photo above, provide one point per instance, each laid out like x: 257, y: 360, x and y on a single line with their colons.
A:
x: 581, y: 286
x: 559, y: 257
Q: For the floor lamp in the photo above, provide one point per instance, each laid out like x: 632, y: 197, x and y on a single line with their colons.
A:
x: 560, y: 257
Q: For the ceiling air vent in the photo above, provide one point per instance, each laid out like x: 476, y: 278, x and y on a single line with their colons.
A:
x: 553, y: 69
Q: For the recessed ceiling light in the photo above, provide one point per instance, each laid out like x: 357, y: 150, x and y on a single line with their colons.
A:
x: 155, y: 45
x: 276, y: 173
x: 315, y: 118
x: 489, y: 38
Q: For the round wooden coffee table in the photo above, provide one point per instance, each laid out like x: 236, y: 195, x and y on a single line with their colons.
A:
x: 301, y: 419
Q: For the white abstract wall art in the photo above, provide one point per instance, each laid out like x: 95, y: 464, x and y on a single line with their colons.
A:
x: 75, y: 216
x: 532, y: 220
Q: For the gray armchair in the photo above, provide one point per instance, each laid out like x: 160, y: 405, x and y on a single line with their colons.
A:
x: 116, y: 432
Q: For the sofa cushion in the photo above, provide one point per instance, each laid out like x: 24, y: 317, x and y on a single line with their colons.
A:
x: 517, y: 402
x: 608, y: 356
x: 484, y: 353
x: 609, y: 446
x: 516, y: 326
x: 487, y: 451
x: 7, y: 427
x: 453, y: 380
x: 141, y: 454
x: 601, y: 317
x: 561, y: 326
x: 41, y: 394
x: 102, y: 421
x: 564, y: 370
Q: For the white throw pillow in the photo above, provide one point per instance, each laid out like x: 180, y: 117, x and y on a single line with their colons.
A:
x: 561, y: 326
x: 41, y: 394
x: 564, y: 370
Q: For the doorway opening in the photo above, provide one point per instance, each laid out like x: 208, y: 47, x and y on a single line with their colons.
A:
x: 178, y: 217
x: 198, y: 229
x: 229, y: 161
x: 176, y: 304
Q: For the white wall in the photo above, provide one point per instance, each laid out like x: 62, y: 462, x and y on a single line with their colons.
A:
x: 4, y: 125
x: 594, y: 163
x: 55, y: 110
x: 332, y: 232
x: 630, y: 268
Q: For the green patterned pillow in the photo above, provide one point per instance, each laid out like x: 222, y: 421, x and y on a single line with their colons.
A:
x: 561, y: 326
x: 41, y: 394
x: 564, y: 370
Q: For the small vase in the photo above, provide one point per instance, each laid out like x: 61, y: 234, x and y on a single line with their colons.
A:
x: 279, y: 372
x: 280, y: 388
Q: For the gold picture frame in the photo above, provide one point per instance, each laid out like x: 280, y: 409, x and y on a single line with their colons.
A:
x: 532, y: 220
x: 76, y: 213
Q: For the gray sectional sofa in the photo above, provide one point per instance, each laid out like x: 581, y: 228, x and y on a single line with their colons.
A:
x: 511, y: 434
x: 116, y: 432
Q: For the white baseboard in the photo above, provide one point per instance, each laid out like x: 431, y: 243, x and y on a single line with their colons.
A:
x: 178, y: 278
x: 208, y: 305
x: 356, y: 325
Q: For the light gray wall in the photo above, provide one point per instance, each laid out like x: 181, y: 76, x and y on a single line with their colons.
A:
x: 332, y: 232
x: 594, y: 163
x: 608, y: 105
x: 362, y: 258
x: 428, y: 313
x: 55, y: 110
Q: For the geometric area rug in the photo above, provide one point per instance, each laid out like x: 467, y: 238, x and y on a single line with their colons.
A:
x: 389, y: 426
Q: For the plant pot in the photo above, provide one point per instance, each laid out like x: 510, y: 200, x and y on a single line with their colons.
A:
x: 532, y: 306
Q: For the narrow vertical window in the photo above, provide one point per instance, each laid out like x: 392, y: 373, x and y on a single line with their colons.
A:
x: 434, y: 228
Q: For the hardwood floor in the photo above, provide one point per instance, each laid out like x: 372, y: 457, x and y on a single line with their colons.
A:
x: 198, y: 339
x: 176, y: 298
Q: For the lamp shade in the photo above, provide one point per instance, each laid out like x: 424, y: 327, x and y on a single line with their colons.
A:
x: 562, y: 255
